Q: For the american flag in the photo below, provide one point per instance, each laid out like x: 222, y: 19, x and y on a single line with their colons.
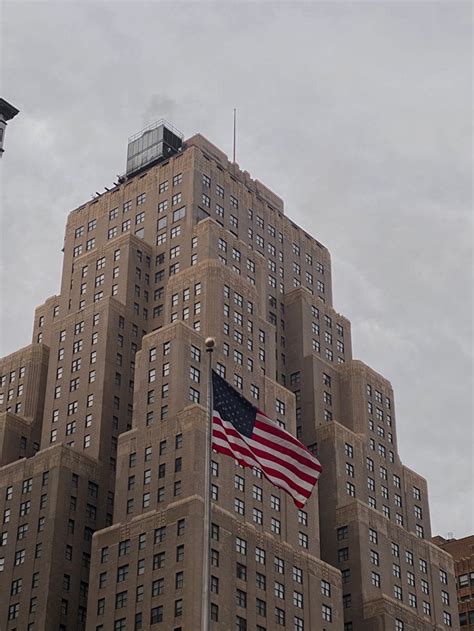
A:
x: 243, y: 432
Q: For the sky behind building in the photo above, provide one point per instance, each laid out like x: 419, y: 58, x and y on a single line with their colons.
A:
x: 357, y: 114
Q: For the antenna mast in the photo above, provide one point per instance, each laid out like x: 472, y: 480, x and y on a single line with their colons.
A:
x: 235, y: 128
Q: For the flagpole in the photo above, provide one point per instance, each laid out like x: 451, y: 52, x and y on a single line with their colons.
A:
x: 206, y: 558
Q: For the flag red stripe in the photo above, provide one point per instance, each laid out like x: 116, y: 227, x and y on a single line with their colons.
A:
x: 270, y: 427
x: 274, y: 476
x: 289, y: 452
x: 244, y: 463
x: 293, y: 468
x: 262, y: 456
x: 263, y: 420
x: 276, y: 473
x: 283, y: 460
x: 234, y: 439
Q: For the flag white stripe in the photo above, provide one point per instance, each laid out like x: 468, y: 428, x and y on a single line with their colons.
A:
x: 252, y: 444
x: 297, y: 463
x: 290, y: 442
x: 278, y: 474
x: 263, y: 463
x: 277, y: 481
x: 281, y: 457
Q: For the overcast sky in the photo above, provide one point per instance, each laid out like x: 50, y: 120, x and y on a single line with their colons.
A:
x: 357, y: 114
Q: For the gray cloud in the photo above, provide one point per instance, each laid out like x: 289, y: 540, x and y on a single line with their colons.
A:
x: 357, y: 114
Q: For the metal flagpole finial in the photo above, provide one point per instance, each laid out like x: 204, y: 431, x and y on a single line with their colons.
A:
x: 210, y: 342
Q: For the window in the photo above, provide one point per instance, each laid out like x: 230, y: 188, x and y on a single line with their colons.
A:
x: 349, y: 470
x: 16, y: 587
x: 375, y: 579
x: 261, y: 581
x: 326, y: 588
x: 373, y: 536
x: 239, y: 506
x: 163, y: 187
x: 279, y: 590
x: 261, y: 607
x: 343, y: 554
x: 156, y: 614
x: 241, y: 572
x: 195, y: 374
x: 194, y: 395
x: 374, y: 558
x: 342, y: 533
x: 275, y: 503
x: 13, y: 611
x: 279, y: 616
x: 21, y: 533
x: 124, y: 547
x: 179, y: 213
x: 120, y: 600
x: 215, y: 492
x: 179, y: 553
x: 157, y: 587
x: 241, y: 598
x: 254, y: 391
x: 326, y: 613
x: 25, y: 508
x: 447, y: 619
x: 260, y: 555
x: 279, y: 565
x: 174, y: 251
x: 158, y: 560
x: 206, y: 200
x: 178, y: 608
x: 350, y: 488
x: 195, y: 353
x: 240, y: 624
x: 240, y: 546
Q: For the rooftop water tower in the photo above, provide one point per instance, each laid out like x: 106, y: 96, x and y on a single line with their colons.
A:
x: 155, y: 143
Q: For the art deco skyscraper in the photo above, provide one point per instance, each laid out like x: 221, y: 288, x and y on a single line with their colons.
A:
x: 106, y: 409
